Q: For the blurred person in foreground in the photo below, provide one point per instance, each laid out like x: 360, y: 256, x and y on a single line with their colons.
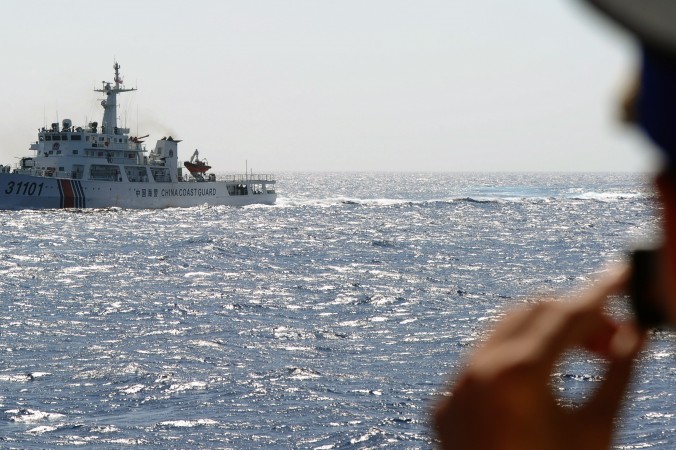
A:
x: 503, y: 398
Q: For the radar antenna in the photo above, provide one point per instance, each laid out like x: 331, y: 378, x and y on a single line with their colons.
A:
x: 109, y: 121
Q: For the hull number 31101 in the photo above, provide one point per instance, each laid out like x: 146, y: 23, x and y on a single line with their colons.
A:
x: 24, y: 188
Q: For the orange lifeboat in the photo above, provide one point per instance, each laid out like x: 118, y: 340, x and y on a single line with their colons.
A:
x: 196, y: 167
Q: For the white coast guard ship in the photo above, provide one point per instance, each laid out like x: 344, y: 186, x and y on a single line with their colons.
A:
x: 103, y: 166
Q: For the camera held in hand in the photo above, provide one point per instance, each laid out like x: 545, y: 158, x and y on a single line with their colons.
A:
x: 645, y: 298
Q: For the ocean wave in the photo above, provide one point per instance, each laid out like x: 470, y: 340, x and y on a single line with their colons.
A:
x: 187, y: 423
x: 26, y: 415
x: 182, y: 387
x: 330, y: 202
x: 24, y: 377
x: 607, y: 196
x: 42, y: 429
x: 302, y: 373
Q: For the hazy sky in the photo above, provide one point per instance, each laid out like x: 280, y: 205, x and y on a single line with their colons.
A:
x: 319, y: 85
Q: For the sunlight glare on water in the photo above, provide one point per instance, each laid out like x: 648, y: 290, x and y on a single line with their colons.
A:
x: 330, y: 320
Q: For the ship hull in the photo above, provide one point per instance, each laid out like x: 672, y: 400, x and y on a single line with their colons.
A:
x: 22, y: 191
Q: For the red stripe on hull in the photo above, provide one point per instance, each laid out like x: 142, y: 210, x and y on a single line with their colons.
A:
x: 68, y: 195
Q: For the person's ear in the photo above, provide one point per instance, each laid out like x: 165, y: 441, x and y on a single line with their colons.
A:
x: 628, y: 107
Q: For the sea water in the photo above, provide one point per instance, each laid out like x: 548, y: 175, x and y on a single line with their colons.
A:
x: 331, y: 320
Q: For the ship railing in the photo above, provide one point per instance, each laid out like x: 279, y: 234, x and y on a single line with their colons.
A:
x: 243, y: 178
x: 254, y: 178
x: 75, y: 175
x: 40, y: 172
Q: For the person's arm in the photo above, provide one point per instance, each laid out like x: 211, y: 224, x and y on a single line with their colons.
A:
x: 504, y: 400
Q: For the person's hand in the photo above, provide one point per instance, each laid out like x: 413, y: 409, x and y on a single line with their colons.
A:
x: 504, y: 398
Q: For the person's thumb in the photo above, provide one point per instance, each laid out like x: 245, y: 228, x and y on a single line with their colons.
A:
x: 602, y: 408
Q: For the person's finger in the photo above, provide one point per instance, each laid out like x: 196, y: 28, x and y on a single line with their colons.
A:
x: 582, y: 322
x: 603, y: 406
x: 532, y: 341
x: 544, y: 314
x: 625, y: 346
x: 615, y: 283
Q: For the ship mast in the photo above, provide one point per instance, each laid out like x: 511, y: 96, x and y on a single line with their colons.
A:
x: 109, y: 122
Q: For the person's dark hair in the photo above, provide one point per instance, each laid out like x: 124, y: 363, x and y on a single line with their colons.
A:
x: 652, y: 23
x: 656, y: 106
